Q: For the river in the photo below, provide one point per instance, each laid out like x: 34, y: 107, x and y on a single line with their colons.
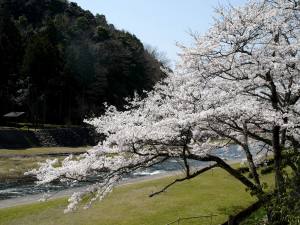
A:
x: 25, y: 188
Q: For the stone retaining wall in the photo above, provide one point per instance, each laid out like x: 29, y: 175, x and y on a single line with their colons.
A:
x: 11, y: 138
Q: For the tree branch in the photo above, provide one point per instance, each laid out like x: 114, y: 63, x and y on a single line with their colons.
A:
x: 233, y: 172
x: 183, y: 179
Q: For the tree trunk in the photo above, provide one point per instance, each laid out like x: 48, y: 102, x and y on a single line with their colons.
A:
x: 252, y: 166
x: 279, y: 181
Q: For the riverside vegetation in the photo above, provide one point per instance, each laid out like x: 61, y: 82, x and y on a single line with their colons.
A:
x: 239, y: 81
x: 14, y: 163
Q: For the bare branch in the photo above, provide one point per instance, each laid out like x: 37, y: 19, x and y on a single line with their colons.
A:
x: 183, y: 179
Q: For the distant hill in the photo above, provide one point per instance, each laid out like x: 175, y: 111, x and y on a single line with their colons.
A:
x: 59, y: 63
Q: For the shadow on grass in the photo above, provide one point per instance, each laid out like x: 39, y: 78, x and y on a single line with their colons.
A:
x: 230, y: 210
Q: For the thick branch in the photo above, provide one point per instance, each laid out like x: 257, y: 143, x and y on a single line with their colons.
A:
x: 183, y: 179
x: 236, y: 174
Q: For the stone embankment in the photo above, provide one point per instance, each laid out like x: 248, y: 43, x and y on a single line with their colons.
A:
x: 12, y: 138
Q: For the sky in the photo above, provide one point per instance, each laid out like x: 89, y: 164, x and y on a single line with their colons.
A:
x: 159, y: 23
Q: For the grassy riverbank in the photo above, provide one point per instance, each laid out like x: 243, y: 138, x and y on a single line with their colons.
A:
x: 211, y: 193
x: 13, y: 163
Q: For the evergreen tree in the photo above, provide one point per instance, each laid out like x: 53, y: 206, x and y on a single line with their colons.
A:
x: 42, y: 63
x: 10, y: 56
x: 60, y: 63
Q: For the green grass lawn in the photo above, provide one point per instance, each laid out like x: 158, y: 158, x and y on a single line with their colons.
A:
x: 210, y: 193
x: 13, y: 163
x: 40, y: 151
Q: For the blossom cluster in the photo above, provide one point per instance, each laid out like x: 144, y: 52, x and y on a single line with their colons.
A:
x: 237, y: 82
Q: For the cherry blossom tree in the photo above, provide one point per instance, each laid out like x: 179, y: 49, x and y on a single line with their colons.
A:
x: 167, y: 124
x: 250, y: 58
x: 238, y: 82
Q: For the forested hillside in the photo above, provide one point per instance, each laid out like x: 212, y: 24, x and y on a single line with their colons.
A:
x: 59, y: 63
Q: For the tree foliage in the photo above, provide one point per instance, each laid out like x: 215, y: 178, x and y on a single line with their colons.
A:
x: 239, y: 82
x: 48, y: 45
x: 11, y: 49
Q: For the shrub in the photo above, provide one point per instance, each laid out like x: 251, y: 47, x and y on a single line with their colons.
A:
x: 267, y: 169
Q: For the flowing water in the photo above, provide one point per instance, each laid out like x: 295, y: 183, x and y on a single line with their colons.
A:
x: 27, y: 187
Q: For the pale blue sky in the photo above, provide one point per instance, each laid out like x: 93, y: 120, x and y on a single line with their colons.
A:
x: 159, y: 23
